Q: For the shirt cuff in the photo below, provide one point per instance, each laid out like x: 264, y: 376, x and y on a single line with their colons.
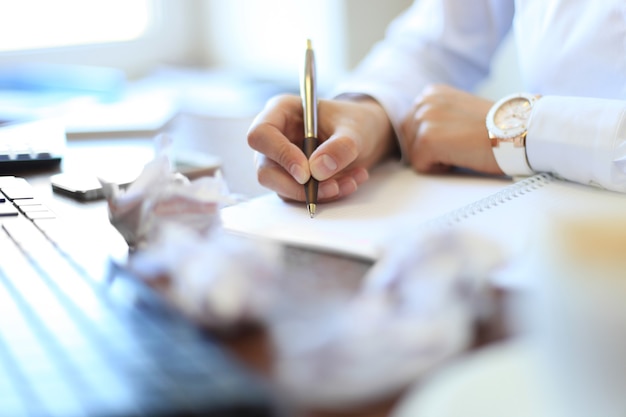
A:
x: 579, y: 139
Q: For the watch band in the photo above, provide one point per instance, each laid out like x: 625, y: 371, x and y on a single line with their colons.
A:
x: 511, y: 157
x: 508, y: 134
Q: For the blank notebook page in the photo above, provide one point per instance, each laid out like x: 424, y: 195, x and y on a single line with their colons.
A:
x: 395, y: 200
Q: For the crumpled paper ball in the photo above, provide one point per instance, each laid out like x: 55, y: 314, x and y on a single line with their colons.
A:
x: 219, y: 280
x: 159, y: 196
x: 415, y: 310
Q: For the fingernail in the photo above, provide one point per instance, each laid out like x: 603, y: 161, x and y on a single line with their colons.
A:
x: 347, y: 187
x: 324, y: 167
x: 361, y: 176
x: 328, y: 190
x: 298, y: 173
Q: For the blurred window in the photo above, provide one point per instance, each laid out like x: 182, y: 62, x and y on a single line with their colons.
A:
x: 41, y: 24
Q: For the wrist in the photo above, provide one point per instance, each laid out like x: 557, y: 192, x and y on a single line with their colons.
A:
x: 377, y: 124
x: 507, y: 124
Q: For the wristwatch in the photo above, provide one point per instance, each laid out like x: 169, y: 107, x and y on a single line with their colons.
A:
x: 507, y: 124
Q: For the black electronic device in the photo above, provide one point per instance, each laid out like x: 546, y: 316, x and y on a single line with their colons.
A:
x: 31, y: 144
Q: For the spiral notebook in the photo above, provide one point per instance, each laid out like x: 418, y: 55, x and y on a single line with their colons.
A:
x: 513, y: 216
x: 363, y: 225
x: 396, y: 201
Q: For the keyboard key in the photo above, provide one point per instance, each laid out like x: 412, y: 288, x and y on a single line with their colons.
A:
x: 23, y: 231
x: 8, y: 209
x: 23, y: 156
x: 28, y: 202
x: 6, y: 179
x: 37, y: 215
x: 16, y: 189
x: 26, y: 208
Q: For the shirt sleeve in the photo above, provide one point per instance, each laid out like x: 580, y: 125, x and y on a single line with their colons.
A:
x: 579, y: 139
x: 434, y: 41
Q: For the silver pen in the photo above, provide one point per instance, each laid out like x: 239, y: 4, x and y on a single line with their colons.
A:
x: 309, y: 106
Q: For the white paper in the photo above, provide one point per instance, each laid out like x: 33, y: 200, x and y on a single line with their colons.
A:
x: 393, y: 202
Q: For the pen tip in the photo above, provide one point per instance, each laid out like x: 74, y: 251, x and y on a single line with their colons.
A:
x: 309, y: 44
x: 311, y: 208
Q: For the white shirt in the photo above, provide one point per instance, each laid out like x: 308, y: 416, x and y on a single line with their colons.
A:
x: 572, y: 52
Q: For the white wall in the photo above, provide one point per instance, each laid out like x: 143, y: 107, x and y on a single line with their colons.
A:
x: 365, y: 22
x: 266, y: 38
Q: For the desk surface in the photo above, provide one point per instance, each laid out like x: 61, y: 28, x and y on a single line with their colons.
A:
x: 101, y: 155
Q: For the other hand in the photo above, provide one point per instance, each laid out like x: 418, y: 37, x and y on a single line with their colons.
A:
x: 445, y: 129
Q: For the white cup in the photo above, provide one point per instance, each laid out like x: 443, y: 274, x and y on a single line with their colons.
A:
x: 577, y: 312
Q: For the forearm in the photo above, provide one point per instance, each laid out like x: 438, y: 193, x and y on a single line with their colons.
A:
x: 435, y: 42
x: 579, y: 139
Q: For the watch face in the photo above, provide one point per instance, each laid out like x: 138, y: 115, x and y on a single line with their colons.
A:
x: 510, y: 118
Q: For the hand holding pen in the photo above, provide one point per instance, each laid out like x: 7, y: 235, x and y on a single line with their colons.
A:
x: 353, y: 135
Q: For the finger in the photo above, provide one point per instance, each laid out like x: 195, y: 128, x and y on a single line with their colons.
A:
x: 284, y: 112
x: 428, y: 150
x: 350, y: 182
x: 329, y: 190
x: 411, y: 124
x: 275, y: 134
x: 422, y: 131
x: 334, y: 155
x: 408, y: 129
x: 270, y: 142
x: 342, y: 186
x: 273, y: 177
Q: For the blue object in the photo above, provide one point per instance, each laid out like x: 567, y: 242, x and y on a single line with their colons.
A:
x: 107, y: 83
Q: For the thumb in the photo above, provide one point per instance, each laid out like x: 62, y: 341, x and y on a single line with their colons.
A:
x: 333, y: 156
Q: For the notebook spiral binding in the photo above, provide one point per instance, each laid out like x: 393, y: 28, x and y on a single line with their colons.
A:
x: 499, y: 198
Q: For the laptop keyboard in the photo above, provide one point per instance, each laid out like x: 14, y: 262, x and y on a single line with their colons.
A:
x: 28, y: 144
x: 70, y: 347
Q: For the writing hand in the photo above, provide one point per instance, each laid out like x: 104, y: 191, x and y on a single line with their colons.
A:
x: 354, y: 135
